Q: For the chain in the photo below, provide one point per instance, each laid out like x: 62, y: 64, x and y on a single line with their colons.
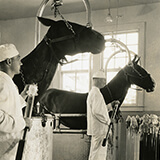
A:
x: 69, y: 26
x: 22, y: 76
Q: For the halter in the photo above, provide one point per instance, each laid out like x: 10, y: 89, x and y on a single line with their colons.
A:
x: 73, y: 36
x: 140, y: 76
x: 49, y: 42
x: 109, y: 91
x: 44, y: 72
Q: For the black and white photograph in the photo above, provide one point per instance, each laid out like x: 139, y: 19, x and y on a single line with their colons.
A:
x: 79, y: 80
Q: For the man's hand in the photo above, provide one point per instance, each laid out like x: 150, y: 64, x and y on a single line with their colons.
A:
x: 116, y: 102
x: 28, y: 122
x: 24, y: 92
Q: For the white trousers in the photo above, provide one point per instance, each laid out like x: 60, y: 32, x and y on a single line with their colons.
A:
x: 97, y: 151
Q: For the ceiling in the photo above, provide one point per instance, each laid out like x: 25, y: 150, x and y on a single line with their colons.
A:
x: 13, y: 9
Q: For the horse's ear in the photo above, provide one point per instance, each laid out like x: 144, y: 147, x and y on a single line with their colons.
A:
x: 46, y: 21
x: 137, y: 60
x: 135, y: 57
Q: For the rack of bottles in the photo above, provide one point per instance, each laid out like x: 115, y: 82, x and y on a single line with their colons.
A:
x: 143, y: 137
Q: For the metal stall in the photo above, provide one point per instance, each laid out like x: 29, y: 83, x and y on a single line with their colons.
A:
x: 42, y: 144
x: 69, y: 143
x: 39, y: 140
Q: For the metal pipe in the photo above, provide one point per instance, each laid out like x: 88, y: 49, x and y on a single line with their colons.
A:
x: 88, y: 12
x: 119, y: 51
x: 69, y: 131
x: 112, y: 40
x: 69, y: 115
x: 37, y: 23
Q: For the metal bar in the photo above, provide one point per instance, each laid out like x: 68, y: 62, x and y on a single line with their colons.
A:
x: 113, y: 40
x: 27, y: 114
x: 70, y: 115
x: 65, y: 131
x: 37, y: 23
x: 109, y: 127
x: 115, y: 142
x: 88, y: 12
x: 59, y: 130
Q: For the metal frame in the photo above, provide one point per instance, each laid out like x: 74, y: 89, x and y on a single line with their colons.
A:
x: 56, y: 126
x: 57, y: 117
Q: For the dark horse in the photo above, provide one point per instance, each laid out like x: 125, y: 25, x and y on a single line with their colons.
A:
x: 63, y: 38
x: 60, y: 101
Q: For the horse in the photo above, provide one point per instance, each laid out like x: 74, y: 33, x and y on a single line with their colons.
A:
x: 62, y: 38
x: 61, y: 101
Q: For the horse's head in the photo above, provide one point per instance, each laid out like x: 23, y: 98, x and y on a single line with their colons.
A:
x: 139, y: 76
x: 71, y: 38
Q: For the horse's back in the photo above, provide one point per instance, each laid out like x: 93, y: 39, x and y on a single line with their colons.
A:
x: 65, y: 101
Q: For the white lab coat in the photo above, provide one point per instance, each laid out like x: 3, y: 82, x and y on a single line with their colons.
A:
x: 97, y: 123
x: 11, y: 117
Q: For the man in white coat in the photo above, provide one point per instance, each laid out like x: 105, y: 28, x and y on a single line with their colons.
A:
x: 97, y: 118
x: 11, y: 103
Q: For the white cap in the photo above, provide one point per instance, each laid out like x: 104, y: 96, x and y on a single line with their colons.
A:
x: 99, y: 74
x: 7, y: 51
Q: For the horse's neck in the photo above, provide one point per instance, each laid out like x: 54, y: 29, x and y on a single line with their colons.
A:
x: 116, y: 89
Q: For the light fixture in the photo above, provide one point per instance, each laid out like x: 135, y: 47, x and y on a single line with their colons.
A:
x: 109, y: 18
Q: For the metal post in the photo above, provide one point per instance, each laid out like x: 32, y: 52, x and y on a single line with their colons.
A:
x: 88, y: 12
x: 113, y: 40
x: 37, y: 23
x: 115, y: 141
x: 57, y: 129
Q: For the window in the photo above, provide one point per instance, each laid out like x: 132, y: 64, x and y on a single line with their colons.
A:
x: 115, y: 58
x: 75, y: 75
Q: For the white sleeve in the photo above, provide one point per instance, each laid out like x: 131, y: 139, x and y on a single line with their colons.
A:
x: 8, y: 124
x: 23, y: 102
x: 100, y: 110
x: 109, y: 107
